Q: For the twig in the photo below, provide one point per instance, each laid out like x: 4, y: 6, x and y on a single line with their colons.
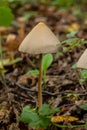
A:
x: 30, y: 62
x: 46, y: 92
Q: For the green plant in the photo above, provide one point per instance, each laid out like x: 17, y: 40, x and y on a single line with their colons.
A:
x: 71, y: 42
x: 15, y: 3
x: 46, y: 62
x: 66, y: 4
x: 2, y: 66
x: 84, y: 106
x: 30, y: 14
x: 70, y: 127
x: 83, y: 75
x: 63, y: 3
x: 38, y: 118
x: 6, y: 16
x: 33, y: 72
x: 79, y: 13
x: 3, y: 3
x: 74, y: 66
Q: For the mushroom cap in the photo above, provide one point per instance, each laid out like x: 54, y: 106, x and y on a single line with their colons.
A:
x: 40, y: 40
x: 82, y: 62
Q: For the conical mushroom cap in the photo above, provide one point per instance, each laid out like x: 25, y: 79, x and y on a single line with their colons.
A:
x: 82, y: 62
x: 40, y: 40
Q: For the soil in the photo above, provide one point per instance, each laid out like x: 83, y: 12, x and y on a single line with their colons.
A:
x: 63, y: 87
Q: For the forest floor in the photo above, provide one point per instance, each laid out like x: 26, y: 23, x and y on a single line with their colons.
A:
x: 63, y: 87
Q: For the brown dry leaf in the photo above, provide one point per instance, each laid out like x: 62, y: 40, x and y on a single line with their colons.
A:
x: 57, y: 101
x: 10, y: 38
x: 12, y: 42
x: 3, y: 30
x: 64, y: 109
x: 14, y: 126
x: 57, y: 119
x: 38, y: 19
x: 21, y: 20
x: 4, y: 115
x: 27, y: 80
x: 75, y: 26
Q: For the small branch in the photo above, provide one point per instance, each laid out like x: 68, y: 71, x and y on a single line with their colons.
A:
x: 30, y: 62
x: 84, y: 93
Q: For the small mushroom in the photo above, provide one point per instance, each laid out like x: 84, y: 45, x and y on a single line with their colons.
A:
x: 82, y: 62
x: 40, y: 40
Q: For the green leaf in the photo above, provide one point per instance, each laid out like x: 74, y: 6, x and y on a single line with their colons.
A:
x: 84, y: 106
x: 29, y: 115
x: 24, y: 115
x: 72, y: 42
x: 82, y: 80
x: 6, y: 16
x: 3, y: 2
x: 44, y: 121
x: 33, y: 72
x: 83, y: 74
x: 72, y: 34
x: 37, y: 118
x: 46, y: 61
x: 46, y: 110
x: 63, y: 3
x: 32, y: 117
x: 69, y: 41
x: 30, y: 14
x: 74, y: 66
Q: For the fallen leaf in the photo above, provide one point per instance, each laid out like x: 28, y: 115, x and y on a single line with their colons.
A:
x: 8, y: 62
x: 73, y: 27
x: 12, y: 42
x: 3, y: 30
x: 27, y: 80
x: 4, y: 62
x: 10, y: 38
x: 57, y: 119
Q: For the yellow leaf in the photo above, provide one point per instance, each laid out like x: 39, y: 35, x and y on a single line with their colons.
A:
x: 57, y: 119
x: 4, y: 62
x: 73, y: 27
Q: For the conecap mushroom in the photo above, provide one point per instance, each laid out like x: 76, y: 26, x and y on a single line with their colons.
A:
x: 40, y: 40
x: 82, y: 62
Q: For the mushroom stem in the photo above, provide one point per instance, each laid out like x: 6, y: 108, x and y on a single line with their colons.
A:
x: 40, y: 83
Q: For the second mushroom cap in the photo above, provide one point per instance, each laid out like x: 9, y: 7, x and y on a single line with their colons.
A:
x: 82, y: 62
